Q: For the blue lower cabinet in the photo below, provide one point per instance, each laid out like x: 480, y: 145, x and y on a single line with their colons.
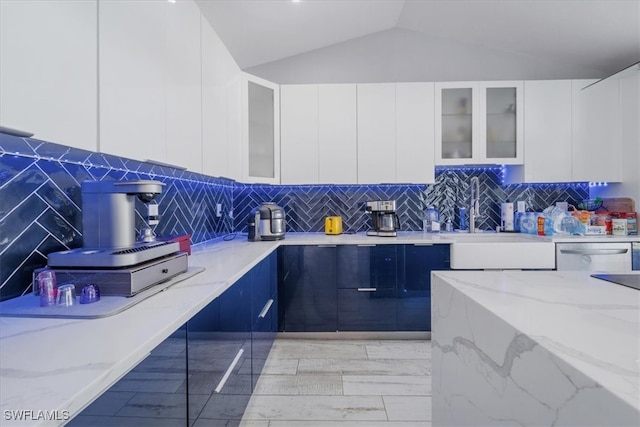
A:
x: 414, y: 284
x: 153, y: 393
x: 366, y: 279
x: 264, y: 282
x: 219, y: 356
x: 309, y: 300
x: 357, y: 287
x: 229, y: 341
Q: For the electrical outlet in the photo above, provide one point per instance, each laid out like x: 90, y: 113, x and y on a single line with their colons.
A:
x: 218, y: 210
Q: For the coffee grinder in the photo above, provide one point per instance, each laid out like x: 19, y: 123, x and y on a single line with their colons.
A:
x: 383, y: 218
x: 111, y: 257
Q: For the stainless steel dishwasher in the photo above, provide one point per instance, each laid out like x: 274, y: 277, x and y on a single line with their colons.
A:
x: 593, y: 256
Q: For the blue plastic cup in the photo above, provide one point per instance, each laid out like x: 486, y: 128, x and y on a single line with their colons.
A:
x: 90, y: 293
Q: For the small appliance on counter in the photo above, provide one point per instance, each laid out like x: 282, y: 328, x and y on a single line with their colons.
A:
x: 507, y: 217
x: 383, y: 218
x: 111, y: 257
x: 333, y: 225
x: 266, y: 222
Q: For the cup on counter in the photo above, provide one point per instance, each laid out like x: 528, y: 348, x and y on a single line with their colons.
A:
x: 90, y: 293
x: 42, y: 276
x: 46, y: 287
x: 66, y: 295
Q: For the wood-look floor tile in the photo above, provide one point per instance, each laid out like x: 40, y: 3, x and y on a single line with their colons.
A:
x: 350, y: 424
x: 318, y: 408
x: 400, y: 350
x: 379, y: 385
x: 312, y: 348
x: 327, y: 385
x: 364, y: 366
x: 408, y: 408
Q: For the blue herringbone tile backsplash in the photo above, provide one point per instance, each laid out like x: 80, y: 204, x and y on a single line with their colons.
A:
x: 40, y: 201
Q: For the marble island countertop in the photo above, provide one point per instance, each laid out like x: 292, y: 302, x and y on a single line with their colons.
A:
x: 537, y: 348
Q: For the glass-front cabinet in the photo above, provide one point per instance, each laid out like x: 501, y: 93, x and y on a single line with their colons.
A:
x: 479, y: 123
x: 261, y: 130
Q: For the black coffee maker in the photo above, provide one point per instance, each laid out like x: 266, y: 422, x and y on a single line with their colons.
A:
x: 384, y: 219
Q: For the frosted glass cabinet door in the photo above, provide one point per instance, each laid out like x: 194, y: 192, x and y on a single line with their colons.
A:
x: 261, y: 127
x: 503, y: 118
x: 501, y: 122
x: 479, y: 123
x: 457, y: 123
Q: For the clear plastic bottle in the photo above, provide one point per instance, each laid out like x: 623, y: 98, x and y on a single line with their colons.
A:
x: 431, y: 220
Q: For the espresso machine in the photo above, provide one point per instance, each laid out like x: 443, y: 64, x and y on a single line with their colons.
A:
x: 111, y: 256
x: 383, y: 218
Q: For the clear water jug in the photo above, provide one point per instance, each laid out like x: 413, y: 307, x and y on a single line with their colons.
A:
x: 431, y: 220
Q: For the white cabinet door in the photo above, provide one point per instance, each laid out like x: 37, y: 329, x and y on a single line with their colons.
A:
x: 547, y: 131
x: 376, y: 133
x: 337, y: 134
x: 132, y: 79
x: 501, y: 129
x: 183, y: 86
x: 456, y: 123
x: 261, y: 130
x: 596, y: 131
x: 479, y: 123
x: 299, y: 134
x: 415, y: 133
x: 48, y: 70
x: 221, y: 108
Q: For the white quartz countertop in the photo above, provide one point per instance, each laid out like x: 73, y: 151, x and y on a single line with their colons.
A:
x: 63, y: 365
x: 418, y: 237
x: 591, y: 324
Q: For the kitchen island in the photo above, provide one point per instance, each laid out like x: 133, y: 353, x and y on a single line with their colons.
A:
x: 534, y: 348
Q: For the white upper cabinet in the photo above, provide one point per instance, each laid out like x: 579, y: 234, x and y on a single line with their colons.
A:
x: 337, y: 134
x: 299, y: 134
x: 183, y: 84
x: 133, y: 112
x: 221, y: 108
x: 596, y: 131
x: 261, y: 130
x: 415, y: 133
x: 376, y: 133
x: 547, y: 131
x: 479, y: 123
x: 48, y: 70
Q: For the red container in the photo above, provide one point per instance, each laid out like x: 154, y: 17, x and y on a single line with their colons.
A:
x: 184, y: 241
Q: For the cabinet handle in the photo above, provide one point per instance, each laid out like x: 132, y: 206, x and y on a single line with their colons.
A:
x: 265, y: 309
x: 367, y: 289
x: 326, y: 246
x: 594, y: 251
x: 423, y: 244
x: 229, y: 370
x: 367, y: 245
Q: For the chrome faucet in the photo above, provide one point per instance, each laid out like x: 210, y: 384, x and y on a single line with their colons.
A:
x: 474, y: 211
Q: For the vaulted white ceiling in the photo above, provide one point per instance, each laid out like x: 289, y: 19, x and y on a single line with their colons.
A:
x: 392, y: 40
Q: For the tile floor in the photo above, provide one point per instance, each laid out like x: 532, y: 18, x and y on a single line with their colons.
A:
x: 354, y: 383
x: 305, y: 383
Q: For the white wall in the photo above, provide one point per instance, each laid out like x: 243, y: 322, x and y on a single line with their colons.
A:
x: 48, y: 64
x: 399, y: 55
